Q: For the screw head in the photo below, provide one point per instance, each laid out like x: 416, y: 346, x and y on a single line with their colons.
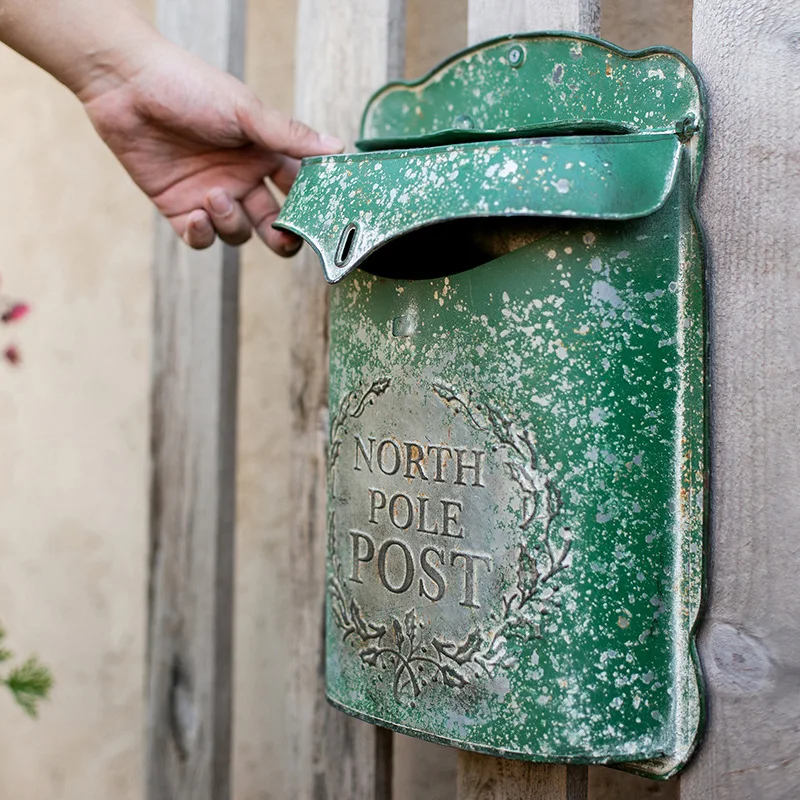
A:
x: 516, y: 56
x: 464, y: 122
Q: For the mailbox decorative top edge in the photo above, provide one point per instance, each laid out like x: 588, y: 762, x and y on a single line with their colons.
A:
x: 538, y: 84
x: 517, y: 452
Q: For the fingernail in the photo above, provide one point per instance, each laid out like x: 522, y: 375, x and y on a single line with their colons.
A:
x: 331, y: 143
x: 201, y: 224
x: 290, y: 243
x: 220, y: 202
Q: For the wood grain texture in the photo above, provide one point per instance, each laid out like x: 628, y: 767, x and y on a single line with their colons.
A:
x: 635, y: 24
x: 489, y: 18
x: 613, y: 784
x: 749, y: 55
x: 485, y: 778
x: 345, y: 50
x: 193, y: 476
x: 434, y: 32
x: 482, y: 777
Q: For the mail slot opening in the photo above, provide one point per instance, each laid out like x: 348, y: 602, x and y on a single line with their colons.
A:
x: 455, y: 246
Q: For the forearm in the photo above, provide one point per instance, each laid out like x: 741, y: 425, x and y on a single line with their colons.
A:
x: 88, y: 45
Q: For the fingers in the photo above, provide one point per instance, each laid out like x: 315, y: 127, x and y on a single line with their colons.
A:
x: 234, y: 221
x: 221, y: 215
x: 262, y: 209
x: 228, y: 217
x: 199, y: 232
x: 274, y: 131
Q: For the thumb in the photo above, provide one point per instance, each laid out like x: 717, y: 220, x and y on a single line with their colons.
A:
x: 274, y: 131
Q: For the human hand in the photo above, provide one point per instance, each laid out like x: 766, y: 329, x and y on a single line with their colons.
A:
x: 200, y: 144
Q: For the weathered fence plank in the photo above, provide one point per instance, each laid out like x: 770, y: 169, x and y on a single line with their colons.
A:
x: 193, y: 475
x: 482, y: 777
x: 345, y: 50
x: 635, y: 24
x: 486, y: 778
x: 488, y: 18
x: 749, y: 55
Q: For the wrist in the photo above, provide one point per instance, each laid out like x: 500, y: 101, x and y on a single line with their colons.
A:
x: 88, y: 45
x: 112, y: 59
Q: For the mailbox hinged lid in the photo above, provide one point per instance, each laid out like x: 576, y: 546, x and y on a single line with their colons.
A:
x: 501, y: 105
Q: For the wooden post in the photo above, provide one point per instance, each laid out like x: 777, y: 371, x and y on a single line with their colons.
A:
x: 749, y: 56
x: 483, y: 777
x: 345, y: 50
x: 488, y: 18
x: 193, y: 475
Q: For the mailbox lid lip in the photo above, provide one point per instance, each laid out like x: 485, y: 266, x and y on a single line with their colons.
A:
x: 324, y: 234
x: 369, y: 141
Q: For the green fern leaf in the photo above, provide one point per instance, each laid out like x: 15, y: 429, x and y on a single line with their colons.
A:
x: 30, y: 683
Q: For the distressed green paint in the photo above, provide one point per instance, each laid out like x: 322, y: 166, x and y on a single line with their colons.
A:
x: 567, y: 83
x: 390, y: 193
x: 566, y: 349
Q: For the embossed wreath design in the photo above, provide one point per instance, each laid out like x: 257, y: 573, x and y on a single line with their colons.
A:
x: 405, y: 646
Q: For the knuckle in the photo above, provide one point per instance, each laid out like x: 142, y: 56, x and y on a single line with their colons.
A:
x: 298, y: 131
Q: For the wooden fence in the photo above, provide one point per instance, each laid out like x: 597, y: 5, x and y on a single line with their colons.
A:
x: 749, y: 54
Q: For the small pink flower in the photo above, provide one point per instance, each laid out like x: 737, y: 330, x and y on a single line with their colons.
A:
x: 12, y: 354
x: 16, y: 312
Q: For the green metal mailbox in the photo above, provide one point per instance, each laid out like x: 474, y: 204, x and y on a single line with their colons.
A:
x: 517, y: 439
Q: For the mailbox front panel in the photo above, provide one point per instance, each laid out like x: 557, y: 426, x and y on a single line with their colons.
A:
x: 516, y: 478
x: 517, y: 436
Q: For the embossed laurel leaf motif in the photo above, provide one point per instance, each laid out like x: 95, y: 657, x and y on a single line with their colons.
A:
x: 462, y: 653
x: 527, y: 572
x: 416, y: 656
x: 352, y: 407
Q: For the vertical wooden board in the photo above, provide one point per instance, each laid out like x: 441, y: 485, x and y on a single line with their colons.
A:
x: 489, y: 18
x: 635, y: 24
x: 260, y: 750
x: 485, y: 778
x: 193, y: 470
x: 423, y: 769
x: 749, y: 55
x: 345, y: 50
x: 612, y: 784
x: 434, y: 31
x: 482, y: 777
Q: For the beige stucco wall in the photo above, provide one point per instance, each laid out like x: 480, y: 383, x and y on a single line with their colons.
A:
x: 75, y: 241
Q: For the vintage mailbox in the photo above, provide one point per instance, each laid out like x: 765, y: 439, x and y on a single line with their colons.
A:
x: 516, y: 461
